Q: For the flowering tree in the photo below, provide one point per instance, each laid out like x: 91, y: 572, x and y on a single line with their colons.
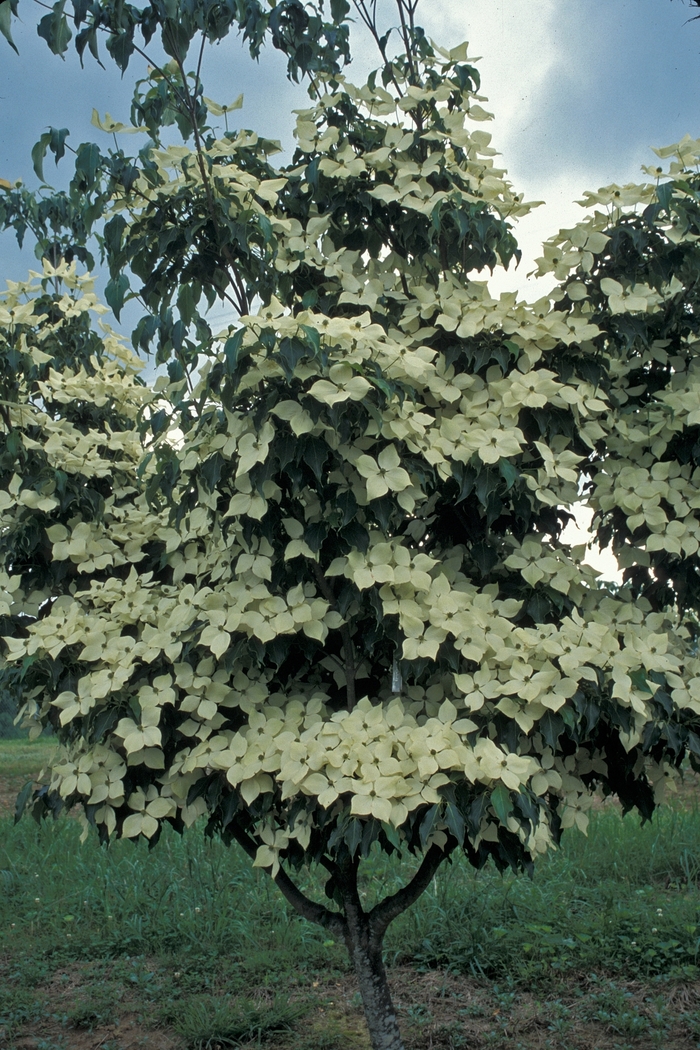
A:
x: 310, y: 585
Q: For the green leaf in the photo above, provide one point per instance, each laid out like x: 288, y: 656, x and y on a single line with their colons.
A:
x: 211, y: 471
x: 159, y: 422
x: 87, y: 38
x: 121, y: 47
x: 113, y: 234
x: 427, y: 824
x: 314, y: 454
x: 392, y: 834
x: 54, y: 29
x: 315, y: 534
x: 6, y: 22
x: 639, y: 680
x: 486, y: 484
x: 87, y: 162
x: 484, y: 556
x: 509, y: 473
x: 313, y: 337
x: 57, y: 142
x: 38, y: 154
x: 694, y: 742
x: 500, y: 800
x: 455, y: 821
x: 265, y: 227
x: 115, y: 292
x: 22, y: 799
x: 356, y: 536
x: 339, y: 10
x: 176, y: 39
x: 104, y: 723
x: 664, y: 192
x: 353, y: 835
x: 382, y: 509
x: 347, y: 505
x: 291, y: 352
x: 551, y: 726
x: 369, y: 835
x: 232, y: 349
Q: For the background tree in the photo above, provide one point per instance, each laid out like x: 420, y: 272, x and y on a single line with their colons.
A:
x: 310, y: 584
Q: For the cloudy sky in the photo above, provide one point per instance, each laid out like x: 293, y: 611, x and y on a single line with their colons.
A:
x: 580, y: 89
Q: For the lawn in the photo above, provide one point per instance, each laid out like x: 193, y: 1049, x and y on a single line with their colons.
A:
x: 186, y: 946
x: 21, y: 760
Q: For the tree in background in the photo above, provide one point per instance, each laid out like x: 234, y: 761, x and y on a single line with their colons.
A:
x: 310, y: 584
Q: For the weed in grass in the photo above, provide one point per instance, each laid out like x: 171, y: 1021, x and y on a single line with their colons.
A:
x: 27, y: 970
x: 17, y: 1008
x: 208, y: 1020
x: 448, y: 1037
x: 98, y: 1009
x: 473, y: 1010
x: 20, y: 757
x: 330, y: 1034
x: 418, y: 1015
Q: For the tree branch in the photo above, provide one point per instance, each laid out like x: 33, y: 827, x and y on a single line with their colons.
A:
x: 303, y: 905
x: 6, y: 418
x: 389, y: 909
x: 348, y: 648
x: 370, y: 21
x: 191, y: 105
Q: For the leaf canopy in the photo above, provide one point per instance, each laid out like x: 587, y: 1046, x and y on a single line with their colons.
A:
x: 311, y: 583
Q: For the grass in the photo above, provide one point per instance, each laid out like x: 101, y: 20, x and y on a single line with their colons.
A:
x: 189, y: 945
x: 20, y: 757
x: 230, y: 1022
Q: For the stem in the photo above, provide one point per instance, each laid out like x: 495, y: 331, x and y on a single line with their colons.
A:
x: 349, y: 666
x: 405, y: 33
x: 370, y: 21
x: 242, y: 305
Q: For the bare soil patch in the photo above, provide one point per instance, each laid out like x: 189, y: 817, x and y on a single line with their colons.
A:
x: 438, y: 1011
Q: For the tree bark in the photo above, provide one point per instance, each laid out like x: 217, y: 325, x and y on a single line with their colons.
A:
x: 379, y: 1009
x: 364, y: 940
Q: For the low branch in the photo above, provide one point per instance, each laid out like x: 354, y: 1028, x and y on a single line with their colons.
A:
x: 389, y: 909
x: 308, y: 909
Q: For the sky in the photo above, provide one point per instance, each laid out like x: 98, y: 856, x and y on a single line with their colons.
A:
x: 580, y: 91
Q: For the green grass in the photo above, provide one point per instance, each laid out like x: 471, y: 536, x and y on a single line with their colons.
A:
x: 189, y: 936
x: 210, y: 1020
x: 623, y: 901
x: 21, y: 757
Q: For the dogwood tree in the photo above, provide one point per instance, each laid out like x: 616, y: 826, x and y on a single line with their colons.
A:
x: 310, y: 586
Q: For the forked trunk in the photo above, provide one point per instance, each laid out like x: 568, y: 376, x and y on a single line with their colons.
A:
x: 374, y: 988
x: 364, y: 938
x: 362, y: 932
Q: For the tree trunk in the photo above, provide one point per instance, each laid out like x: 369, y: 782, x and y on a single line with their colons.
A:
x: 374, y: 988
x: 362, y: 932
x: 364, y: 939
